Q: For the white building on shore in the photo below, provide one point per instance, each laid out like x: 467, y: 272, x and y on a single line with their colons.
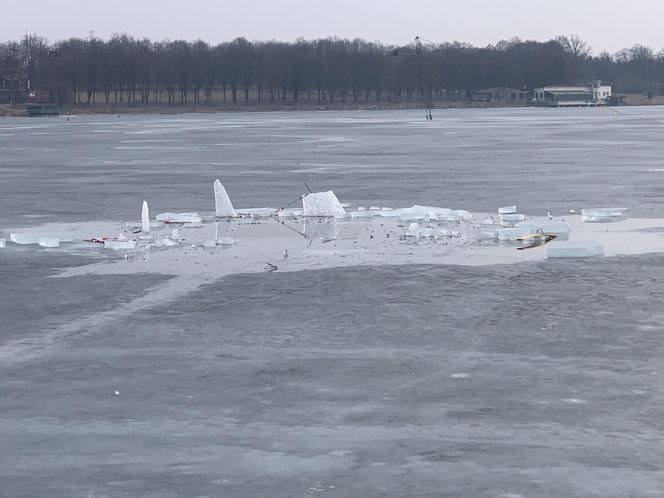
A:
x: 572, y: 96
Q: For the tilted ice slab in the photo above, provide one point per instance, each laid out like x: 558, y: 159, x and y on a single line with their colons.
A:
x: 322, y: 204
x: 145, y: 218
x: 223, y: 206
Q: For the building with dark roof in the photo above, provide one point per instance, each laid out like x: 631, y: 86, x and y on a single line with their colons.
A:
x: 500, y: 94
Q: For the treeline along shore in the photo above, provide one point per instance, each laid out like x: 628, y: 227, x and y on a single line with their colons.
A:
x: 129, y: 73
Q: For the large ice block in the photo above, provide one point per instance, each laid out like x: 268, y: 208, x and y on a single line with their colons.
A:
x: 322, y: 204
x: 507, y: 210
x: 24, y: 238
x: 574, y: 249
x: 119, y: 244
x: 603, y: 215
x: 3, y: 243
x: 49, y: 242
x: 145, y: 218
x: 222, y: 203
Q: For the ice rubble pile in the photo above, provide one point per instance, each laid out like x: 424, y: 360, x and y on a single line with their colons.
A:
x: 416, y: 230
x: 513, y: 227
x: 415, y: 213
x: 321, y: 212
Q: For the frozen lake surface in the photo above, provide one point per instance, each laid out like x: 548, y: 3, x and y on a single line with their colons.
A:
x: 95, y: 167
x: 542, y: 378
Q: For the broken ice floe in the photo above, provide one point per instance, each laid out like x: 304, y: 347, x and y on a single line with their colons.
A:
x: 575, y: 249
x: 222, y: 203
x: 366, y: 235
x: 603, y: 215
x: 3, y: 243
x: 322, y: 204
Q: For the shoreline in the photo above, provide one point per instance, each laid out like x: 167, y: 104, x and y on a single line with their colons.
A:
x: 217, y: 108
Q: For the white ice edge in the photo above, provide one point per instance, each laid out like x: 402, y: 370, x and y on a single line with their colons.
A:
x: 358, y: 242
x: 258, y: 241
x: 249, y: 243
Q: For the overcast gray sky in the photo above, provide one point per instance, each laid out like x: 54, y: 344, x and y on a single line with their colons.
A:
x: 605, y: 24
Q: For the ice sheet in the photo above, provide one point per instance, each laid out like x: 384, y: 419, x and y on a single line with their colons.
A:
x: 576, y: 249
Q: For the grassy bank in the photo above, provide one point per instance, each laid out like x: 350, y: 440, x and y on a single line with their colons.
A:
x: 120, y: 108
